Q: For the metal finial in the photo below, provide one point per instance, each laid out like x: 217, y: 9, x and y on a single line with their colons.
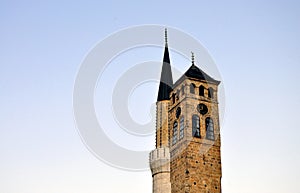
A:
x: 166, y: 35
x: 193, y: 58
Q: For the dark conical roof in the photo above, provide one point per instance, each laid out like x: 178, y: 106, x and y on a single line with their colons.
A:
x: 166, y: 80
x: 196, y: 73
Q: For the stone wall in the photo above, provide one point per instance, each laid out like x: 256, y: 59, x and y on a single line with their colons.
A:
x: 195, y: 162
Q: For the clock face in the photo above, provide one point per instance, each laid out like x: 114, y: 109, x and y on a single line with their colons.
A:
x: 202, y: 109
x: 178, y: 111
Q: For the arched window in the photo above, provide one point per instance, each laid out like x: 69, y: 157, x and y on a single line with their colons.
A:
x: 182, y: 90
x: 201, y: 90
x: 173, y: 98
x: 177, y: 94
x: 196, y: 126
x: 211, y: 93
x: 209, y: 128
x: 174, y: 139
x: 181, y: 128
x: 192, y: 88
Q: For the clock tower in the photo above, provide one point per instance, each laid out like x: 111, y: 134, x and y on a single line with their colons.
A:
x: 187, y: 158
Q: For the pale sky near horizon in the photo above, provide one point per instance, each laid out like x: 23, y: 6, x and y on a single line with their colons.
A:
x: 255, y: 45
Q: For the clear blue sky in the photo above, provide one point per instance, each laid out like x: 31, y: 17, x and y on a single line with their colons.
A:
x: 256, y: 47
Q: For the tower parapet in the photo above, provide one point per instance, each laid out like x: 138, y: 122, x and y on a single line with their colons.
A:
x: 160, y: 167
x: 160, y: 160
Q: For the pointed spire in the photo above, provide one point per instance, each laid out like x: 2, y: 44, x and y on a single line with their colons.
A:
x: 166, y: 54
x: 166, y: 80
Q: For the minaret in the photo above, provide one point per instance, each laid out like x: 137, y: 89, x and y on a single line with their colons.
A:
x: 160, y: 157
x: 165, y: 88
